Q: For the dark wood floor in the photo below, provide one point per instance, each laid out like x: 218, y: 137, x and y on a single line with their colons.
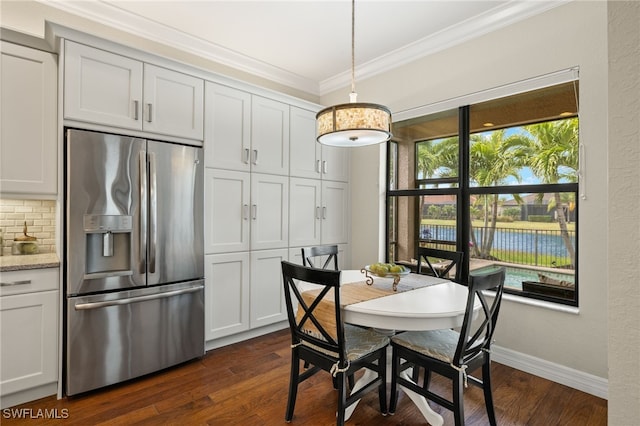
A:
x: 246, y: 384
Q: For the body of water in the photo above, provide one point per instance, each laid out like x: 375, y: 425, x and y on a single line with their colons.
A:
x: 515, y: 275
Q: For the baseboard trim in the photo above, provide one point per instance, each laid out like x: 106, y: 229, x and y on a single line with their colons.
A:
x: 246, y: 335
x: 575, y: 379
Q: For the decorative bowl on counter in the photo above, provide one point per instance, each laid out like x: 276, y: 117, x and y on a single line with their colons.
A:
x: 24, y: 247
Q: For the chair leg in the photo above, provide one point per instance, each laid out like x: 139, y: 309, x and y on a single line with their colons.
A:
x: 395, y: 366
x: 427, y: 378
x: 458, y: 399
x: 293, y: 385
x: 341, y: 380
x: 382, y: 388
x: 486, y: 387
x: 415, y: 374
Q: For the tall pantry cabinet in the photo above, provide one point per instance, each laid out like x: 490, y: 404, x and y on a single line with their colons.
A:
x: 319, y: 189
x: 29, y: 298
x: 246, y: 209
x: 269, y: 190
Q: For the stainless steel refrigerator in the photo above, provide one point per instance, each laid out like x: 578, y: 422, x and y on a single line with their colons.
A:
x: 134, y: 257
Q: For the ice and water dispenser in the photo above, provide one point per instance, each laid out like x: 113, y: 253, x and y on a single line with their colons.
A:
x: 108, y: 245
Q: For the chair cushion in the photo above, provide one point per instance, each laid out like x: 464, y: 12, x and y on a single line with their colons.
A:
x: 438, y: 344
x: 359, y: 342
x: 362, y: 341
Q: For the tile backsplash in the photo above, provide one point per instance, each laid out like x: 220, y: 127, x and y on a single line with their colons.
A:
x: 40, y: 216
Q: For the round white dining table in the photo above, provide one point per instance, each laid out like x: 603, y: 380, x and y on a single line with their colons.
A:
x: 438, y: 306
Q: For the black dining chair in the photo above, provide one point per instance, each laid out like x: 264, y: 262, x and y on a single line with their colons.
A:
x: 313, y: 255
x: 326, y: 342
x: 440, y: 269
x: 453, y: 354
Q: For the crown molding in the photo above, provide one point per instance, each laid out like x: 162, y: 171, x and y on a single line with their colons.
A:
x: 139, y: 26
x: 122, y: 20
x: 499, y: 17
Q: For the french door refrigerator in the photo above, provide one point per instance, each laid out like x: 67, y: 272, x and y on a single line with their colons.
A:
x: 134, y: 264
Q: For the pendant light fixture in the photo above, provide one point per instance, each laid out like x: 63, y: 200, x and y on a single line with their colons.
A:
x: 353, y: 124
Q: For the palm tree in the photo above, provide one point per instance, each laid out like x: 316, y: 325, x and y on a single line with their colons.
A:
x: 553, y: 156
x: 492, y: 160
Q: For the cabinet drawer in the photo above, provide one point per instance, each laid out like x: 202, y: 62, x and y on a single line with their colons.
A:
x: 29, y: 281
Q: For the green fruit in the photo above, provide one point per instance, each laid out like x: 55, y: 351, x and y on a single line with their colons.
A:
x: 396, y: 269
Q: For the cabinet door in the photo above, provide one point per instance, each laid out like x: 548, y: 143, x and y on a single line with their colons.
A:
x: 335, y: 212
x: 29, y: 340
x: 28, y: 136
x: 227, y: 134
x: 305, y: 157
x: 226, y: 218
x: 173, y: 103
x: 226, y: 294
x: 269, y: 136
x: 267, y: 295
x: 335, y: 163
x: 269, y: 211
x: 101, y: 87
x: 304, y: 212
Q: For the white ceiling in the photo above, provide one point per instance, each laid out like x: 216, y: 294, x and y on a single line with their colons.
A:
x: 306, y: 44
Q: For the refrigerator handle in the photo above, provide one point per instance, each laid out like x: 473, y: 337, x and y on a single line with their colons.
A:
x: 153, y: 213
x: 143, y: 212
x: 129, y: 300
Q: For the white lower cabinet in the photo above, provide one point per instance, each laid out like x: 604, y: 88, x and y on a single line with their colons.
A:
x: 28, y: 335
x: 267, y: 294
x: 243, y: 291
x: 226, y: 294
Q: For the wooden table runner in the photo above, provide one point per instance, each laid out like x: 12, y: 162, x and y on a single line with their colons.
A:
x: 358, y: 292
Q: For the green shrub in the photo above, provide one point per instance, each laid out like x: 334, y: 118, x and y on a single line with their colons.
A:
x: 539, y: 218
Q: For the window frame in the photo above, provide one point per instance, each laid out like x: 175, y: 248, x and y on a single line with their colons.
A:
x: 463, y: 192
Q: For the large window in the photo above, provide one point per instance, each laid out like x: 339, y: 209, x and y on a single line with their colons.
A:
x: 497, y: 180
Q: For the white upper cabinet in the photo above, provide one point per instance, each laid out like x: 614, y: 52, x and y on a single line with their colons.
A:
x: 28, y: 136
x: 306, y: 153
x: 335, y: 163
x: 227, y: 133
x: 113, y: 90
x: 309, y: 159
x: 335, y: 212
x: 173, y: 103
x: 101, y: 87
x: 245, y: 132
x: 269, y: 136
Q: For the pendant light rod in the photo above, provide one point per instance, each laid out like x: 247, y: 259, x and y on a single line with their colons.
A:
x: 353, y: 124
x: 353, y: 49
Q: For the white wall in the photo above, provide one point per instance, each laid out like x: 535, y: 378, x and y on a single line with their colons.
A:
x: 574, y: 34
x: 624, y: 212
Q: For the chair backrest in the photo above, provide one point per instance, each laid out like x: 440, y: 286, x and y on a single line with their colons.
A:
x: 476, y: 334
x: 310, y: 253
x: 454, y: 258
x: 318, y: 325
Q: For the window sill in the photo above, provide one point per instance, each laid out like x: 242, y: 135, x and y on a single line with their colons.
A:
x: 538, y: 303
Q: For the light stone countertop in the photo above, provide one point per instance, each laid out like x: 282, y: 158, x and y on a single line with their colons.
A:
x: 29, y: 261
